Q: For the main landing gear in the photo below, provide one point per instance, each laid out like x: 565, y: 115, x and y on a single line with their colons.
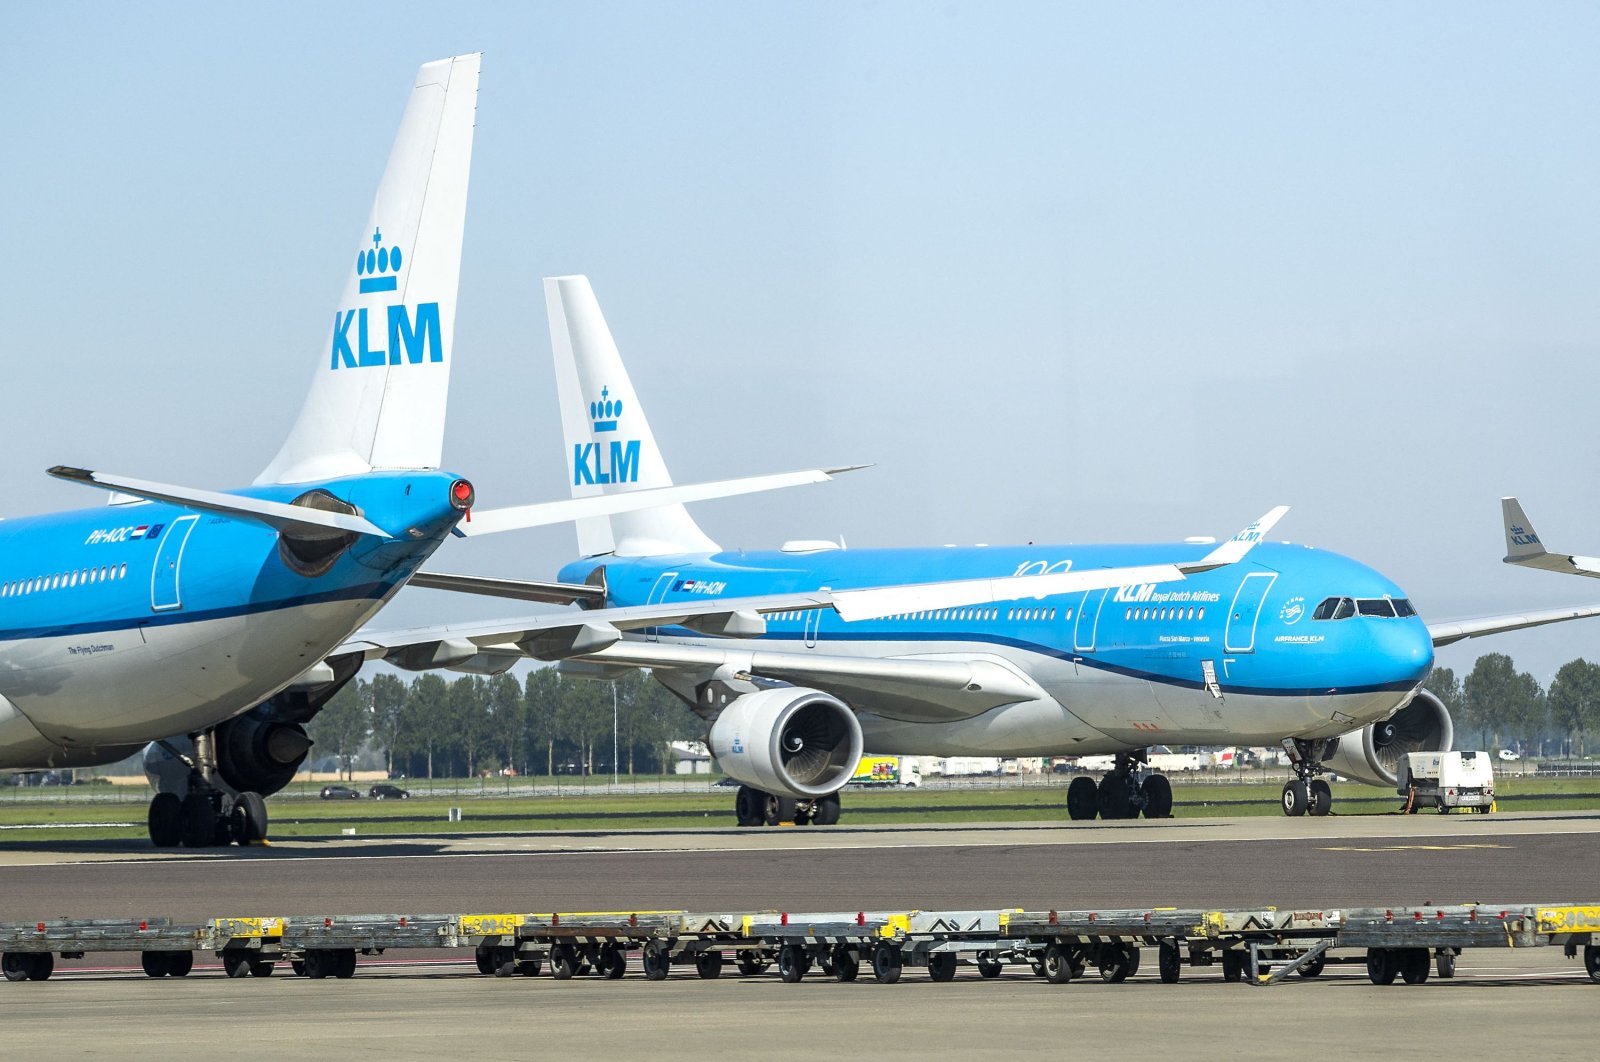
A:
x: 1128, y: 790
x: 753, y: 807
x: 1308, y: 792
x: 208, y: 815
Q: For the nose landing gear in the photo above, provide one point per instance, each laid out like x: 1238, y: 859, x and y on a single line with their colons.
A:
x: 1308, y: 793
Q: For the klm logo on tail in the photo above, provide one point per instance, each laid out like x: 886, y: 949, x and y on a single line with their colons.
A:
x: 419, y: 336
x: 589, y: 464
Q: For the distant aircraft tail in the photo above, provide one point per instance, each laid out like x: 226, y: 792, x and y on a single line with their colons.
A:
x: 377, y: 399
x: 610, y: 448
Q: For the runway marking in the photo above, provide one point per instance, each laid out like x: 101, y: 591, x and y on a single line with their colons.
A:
x: 70, y: 825
x: 1416, y: 848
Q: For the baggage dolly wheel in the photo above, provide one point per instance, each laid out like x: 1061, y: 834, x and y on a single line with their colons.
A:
x: 563, y: 962
x: 1169, y: 963
x: 1057, y: 964
x: 1233, y: 966
x: 1382, y: 966
x: 655, y: 960
x: 988, y: 965
x: 792, y: 962
x: 942, y: 966
x: 1444, y: 963
x: 613, y: 962
x: 846, y: 963
x: 750, y: 964
x: 1414, y: 965
x: 1591, y: 961
x: 1118, y: 962
x: 708, y: 964
x: 886, y: 963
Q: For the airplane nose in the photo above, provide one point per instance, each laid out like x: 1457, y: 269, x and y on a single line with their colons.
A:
x: 1408, y: 650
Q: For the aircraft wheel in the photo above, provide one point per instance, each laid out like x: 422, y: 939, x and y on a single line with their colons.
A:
x: 1157, y: 797
x: 988, y: 965
x: 1169, y: 963
x: 1057, y: 964
x: 1083, y: 800
x: 248, y: 819
x: 1444, y: 963
x: 1296, y: 798
x: 198, y: 826
x: 780, y: 810
x: 1319, y: 796
x: 750, y: 807
x: 1113, y: 796
x: 828, y: 808
x: 886, y: 964
x: 942, y: 966
x: 1382, y: 966
x: 165, y: 820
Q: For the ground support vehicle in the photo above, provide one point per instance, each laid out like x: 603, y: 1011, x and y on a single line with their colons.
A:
x: 1445, y: 781
x: 1260, y: 947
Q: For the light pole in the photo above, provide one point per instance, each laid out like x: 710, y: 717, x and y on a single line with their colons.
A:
x: 613, y: 733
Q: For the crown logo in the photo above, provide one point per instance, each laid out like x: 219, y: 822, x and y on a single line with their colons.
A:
x: 605, y: 412
x: 378, y: 266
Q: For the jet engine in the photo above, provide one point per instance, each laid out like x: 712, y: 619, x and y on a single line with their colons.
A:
x: 1372, y: 754
x: 253, y: 755
x: 311, y: 551
x: 788, y: 741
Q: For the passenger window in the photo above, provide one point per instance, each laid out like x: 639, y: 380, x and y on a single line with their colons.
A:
x: 1201, y: 615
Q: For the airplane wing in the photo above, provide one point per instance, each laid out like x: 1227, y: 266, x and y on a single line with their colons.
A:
x: 278, y: 515
x: 516, y: 589
x: 1524, y: 548
x: 1446, y: 633
x: 540, y: 514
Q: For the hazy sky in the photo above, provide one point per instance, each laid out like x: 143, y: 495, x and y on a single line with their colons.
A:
x: 1062, y: 272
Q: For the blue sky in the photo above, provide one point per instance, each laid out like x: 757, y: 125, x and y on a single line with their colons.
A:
x: 1063, y: 272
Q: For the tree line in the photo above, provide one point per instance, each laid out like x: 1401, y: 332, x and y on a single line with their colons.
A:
x: 1502, y: 706
x: 545, y: 724
x: 548, y: 723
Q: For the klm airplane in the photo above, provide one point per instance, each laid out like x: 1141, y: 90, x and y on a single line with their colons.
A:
x: 991, y: 651
x: 214, y: 623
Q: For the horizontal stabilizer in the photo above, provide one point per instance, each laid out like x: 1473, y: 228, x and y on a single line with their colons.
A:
x: 1524, y: 548
x: 278, y: 515
x: 541, y: 514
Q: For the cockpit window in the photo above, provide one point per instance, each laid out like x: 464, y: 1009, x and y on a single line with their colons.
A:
x: 1376, y: 606
x: 1335, y: 608
x: 1338, y: 608
x: 1402, y: 608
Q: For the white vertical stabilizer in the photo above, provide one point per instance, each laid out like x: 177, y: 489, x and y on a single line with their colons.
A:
x: 377, y: 399
x: 610, y: 448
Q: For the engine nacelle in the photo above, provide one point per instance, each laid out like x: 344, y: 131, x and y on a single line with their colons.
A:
x: 1372, y: 754
x: 788, y: 741
x: 253, y: 755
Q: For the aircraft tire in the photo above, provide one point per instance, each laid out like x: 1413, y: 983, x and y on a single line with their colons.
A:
x: 1083, y: 800
x: 780, y: 809
x: 828, y: 809
x: 750, y: 807
x: 1157, y: 797
x: 1113, y: 797
x: 248, y: 820
x: 165, y: 820
x: 1319, y: 797
x: 198, y: 821
x: 1296, y: 798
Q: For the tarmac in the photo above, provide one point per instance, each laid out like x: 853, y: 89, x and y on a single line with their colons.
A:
x: 424, y: 1006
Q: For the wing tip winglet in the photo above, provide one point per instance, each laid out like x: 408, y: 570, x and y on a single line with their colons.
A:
x: 71, y: 473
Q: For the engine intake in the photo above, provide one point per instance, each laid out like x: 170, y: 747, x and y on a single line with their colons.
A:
x: 1372, y: 754
x: 311, y: 551
x: 789, y: 741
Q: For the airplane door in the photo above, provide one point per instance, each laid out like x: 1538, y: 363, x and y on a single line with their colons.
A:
x: 1240, y: 636
x: 813, y: 621
x: 1088, y: 620
x: 658, y: 594
x: 164, y: 593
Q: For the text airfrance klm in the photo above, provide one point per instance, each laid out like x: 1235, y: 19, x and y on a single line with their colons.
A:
x: 419, y: 338
x: 589, y: 464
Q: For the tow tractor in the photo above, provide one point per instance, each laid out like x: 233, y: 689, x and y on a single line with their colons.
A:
x: 1446, y: 781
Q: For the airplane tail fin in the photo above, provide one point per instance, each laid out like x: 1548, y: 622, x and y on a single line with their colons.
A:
x: 377, y: 399
x: 610, y: 448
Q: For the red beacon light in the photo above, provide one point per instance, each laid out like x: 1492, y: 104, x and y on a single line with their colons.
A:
x: 462, y: 495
